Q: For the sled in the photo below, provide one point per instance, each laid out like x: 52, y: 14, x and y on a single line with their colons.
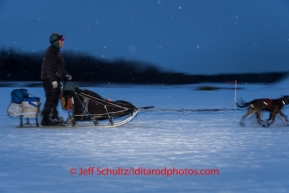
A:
x: 87, y: 108
x: 24, y: 106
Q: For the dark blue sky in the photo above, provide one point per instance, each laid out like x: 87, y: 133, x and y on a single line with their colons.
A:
x: 192, y: 36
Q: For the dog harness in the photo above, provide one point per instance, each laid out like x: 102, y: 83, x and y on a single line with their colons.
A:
x: 268, y: 102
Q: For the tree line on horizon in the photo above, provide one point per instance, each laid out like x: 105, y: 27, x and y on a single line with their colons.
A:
x: 20, y: 66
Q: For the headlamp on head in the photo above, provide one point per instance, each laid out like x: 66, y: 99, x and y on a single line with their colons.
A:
x: 55, y: 37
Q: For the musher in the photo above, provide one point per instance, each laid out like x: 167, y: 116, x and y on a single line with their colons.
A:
x: 52, y: 72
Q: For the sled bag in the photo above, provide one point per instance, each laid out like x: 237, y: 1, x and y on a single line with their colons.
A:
x: 18, y: 95
x: 68, y: 89
x: 14, y: 110
x: 30, y: 107
x: 66, y: 103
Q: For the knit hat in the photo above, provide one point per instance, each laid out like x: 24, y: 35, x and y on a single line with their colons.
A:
x: 54, y: 38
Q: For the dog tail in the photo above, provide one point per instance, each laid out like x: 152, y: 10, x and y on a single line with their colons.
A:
x: 242, y: 104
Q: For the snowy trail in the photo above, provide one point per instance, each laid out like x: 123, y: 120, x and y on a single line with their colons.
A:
x: 248, y: 159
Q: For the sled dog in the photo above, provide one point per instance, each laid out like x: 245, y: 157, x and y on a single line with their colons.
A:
x: 274, y: 106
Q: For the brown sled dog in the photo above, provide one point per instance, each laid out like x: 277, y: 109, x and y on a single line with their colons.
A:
x: 274, y: 106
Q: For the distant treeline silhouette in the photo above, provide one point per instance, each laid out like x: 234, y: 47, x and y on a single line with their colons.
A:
x: 23, y: 66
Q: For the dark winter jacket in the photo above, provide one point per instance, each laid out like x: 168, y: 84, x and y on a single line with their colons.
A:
x: 53, y: 65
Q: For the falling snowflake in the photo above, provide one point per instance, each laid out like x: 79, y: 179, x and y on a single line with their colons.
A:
x: 180, y: 7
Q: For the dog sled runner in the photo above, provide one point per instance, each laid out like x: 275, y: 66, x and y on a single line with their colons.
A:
x: 87, y: 108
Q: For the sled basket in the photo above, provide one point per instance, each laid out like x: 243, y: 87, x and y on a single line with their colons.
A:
x: 90, y: 105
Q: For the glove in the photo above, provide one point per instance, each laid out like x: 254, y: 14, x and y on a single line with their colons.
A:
x: 54, y: 84
x: 68, y: 77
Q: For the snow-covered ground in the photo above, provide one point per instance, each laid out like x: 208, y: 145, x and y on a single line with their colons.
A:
x: 243, y: 159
